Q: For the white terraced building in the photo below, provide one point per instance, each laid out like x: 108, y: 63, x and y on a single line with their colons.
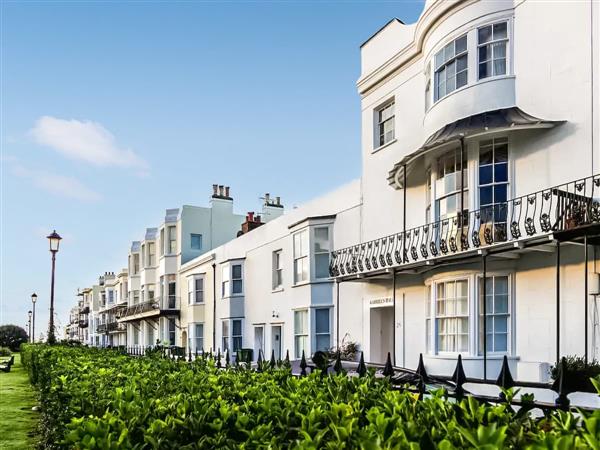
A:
x: 472, y: 231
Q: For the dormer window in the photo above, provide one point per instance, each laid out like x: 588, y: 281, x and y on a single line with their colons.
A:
x: 451, y: 67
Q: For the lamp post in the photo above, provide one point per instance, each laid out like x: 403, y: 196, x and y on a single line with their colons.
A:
x: 33, y: 300
x: 54, y: 240
x: 29, y: 313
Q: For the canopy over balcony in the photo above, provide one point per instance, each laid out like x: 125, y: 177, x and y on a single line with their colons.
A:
x: 508, y: 119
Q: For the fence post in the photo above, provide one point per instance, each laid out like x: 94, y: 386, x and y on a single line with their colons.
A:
x: 423, y: 377
x: 505, y: 379
x: 559, y: 386
x: 362, y: 368
x: 303, y: 365
x: 219, y: 359
x: 459, y: 378
x: 273, y: 362
x: 227, y: 362
x: 388, y: 370
x: 337, y: 367
x: 287, y: 359
x: 259, y: 361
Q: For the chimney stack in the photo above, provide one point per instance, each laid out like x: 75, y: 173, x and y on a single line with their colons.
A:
x: 252, y: 222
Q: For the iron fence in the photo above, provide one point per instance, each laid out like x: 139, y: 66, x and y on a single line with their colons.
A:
x: 558, y: 208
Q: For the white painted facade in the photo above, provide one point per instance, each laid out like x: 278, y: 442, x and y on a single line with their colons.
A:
x: 266, y: 290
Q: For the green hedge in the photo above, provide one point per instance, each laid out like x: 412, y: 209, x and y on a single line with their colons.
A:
x: 102, y: 399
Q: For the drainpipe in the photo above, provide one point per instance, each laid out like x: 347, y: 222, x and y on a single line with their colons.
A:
x: 484, y: 302
x: 404, y: 259
x: 337, y: 311
x: 557, y: 302
x: 394, y: 306
x: 462, y: 185
x: 214, y: 336
x: 585, y: 286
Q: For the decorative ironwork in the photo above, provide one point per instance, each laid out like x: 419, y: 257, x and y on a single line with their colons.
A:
x: 531, y: 216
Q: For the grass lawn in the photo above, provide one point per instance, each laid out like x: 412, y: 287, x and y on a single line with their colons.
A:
x: 17, y: 421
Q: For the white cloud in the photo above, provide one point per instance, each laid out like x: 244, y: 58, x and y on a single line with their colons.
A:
x: 57, y: 184
x: 86, y: 141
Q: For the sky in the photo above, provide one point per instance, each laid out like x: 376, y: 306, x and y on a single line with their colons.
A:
x: 112, y: 112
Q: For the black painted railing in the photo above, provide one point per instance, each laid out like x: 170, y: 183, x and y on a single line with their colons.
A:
x: 166, y: 304
x: 558, y: 208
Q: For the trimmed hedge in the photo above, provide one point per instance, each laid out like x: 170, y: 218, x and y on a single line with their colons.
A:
x: 94, y: 398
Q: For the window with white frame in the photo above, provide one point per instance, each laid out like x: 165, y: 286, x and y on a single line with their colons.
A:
x: 150, y: 251
x: 136, y: 263
x: 497, y: 314
x: 300, y: 332
x: 322, y: 329
x: 277, y: 269
x: 225, y: 281
x: 321, y: 250
x: 236, y: 334
x: 225, y: 331
x: 301, y: 266
x: 196, y: 241
x: 385, y: 124
x: 196, y: 289
x: 172, y: 239
x: 161, y: 243
x: 172, y: 291
x: 492, y: 43
x: 237, y: 283
x: 452, y: 316
x: 428, y: 321
x: 450, y: 68
x: 196, y: 337
x: 448, y: 183
x: 493, y: 181
x: 171, y: 331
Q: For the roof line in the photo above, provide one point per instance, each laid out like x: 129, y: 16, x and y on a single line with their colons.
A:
x: 381, y: 29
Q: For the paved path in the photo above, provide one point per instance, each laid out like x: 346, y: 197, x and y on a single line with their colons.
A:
x: 17, y: 421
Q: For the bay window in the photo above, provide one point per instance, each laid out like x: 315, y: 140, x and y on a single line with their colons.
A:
x: 450, y: 68
x: 196, y: 289
x: 236, y: 334
x: 300, y: 332
x: 172, y: 240
x: 237, y: 286
x: 171, y: 331
x: 491, y: 49
x: 196, y: 337
x: 225, y: 331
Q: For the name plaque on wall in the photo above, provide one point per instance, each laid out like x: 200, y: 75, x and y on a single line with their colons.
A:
x: 379, y: 302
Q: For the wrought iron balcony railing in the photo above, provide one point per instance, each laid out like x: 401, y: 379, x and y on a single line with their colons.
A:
x: 84, y: 310
x: 83, y: 323
x: 559, y: 208
x: 115, y: 326
x: 101, y: 328
x: 169, y: 303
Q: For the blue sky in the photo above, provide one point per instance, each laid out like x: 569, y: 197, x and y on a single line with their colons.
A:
x: 113, y: 112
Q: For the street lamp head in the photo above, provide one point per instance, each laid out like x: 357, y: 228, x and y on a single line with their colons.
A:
x: 33, y: 297
x: 29, y: 313
x: 54, y: 239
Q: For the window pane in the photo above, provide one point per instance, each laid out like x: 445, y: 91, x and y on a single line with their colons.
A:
x: 484, y: 53
x: 237, y: 328
x: 501, y: 304
x: 500, y: 193
x: 237, y: 286
x: 449, y: 51
x: 485, y: 174
x: 322, y: 320
x: 322, y: 265
x: 461, y: 44
x: 501, y: 151
x: 461, y: 79
x: 501, y: 173
x: 236, y: 271
x: 439, y: 59
x: 484, y: 34
x: 485, y: 196
x: 500, y: 341
x: 501, y: 324
x: 322, y: 239
x: 499, y: 50
x: 323, y: 342
x: 499, y: 66
x: 500, y: 30
x: 501, y: 285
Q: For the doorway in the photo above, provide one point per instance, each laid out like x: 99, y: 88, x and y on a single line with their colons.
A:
x: 276, y: 344
x: 382, y: 333
x: 259, y: 341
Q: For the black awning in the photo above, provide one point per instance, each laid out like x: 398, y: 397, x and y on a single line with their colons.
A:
x: 469, y: 127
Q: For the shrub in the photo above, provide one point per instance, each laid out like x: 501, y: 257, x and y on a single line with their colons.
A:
x: 578, y: 374
x: 12, y: 336
x: 5, y: 351
x: 95, y: 398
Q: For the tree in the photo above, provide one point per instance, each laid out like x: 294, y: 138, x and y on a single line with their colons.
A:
x: 12, y: 336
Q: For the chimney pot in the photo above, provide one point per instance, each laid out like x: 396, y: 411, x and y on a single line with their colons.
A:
x: 250, y: 216
x: 267, y: 198
x: 215, y: 189
x: 257, y: 219
x: 226, y: 191
x: 221, y: 190
x: 277, y: 200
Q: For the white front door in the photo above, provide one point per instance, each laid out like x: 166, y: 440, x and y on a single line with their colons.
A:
x: 276, y: 340
x: 259, y: 341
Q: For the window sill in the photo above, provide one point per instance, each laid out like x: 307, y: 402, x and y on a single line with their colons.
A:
x: 277, y: 289
x: 196, y: 304
x: 232, y: 296
x: 318, y: 281
x: 381, y: 147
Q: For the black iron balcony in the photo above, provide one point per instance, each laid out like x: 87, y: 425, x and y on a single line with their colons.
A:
x: 84, y: 310
x: 83, y: 323
x: 167, y: 305
x: 557, y: 209
x: 101, y: 328
x: 115, y: 327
